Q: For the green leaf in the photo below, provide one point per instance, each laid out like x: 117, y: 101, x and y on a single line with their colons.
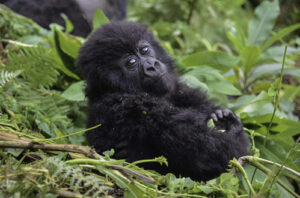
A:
x: 241, y: 101
x: 14, y: 151
x: 99, y: 19
x: 6, y: 76
x: 205, y: 73
x: 257, y: 103
x: 192, y: 81
x: 272, y: 70
x: 228, y: 183
x: 69, y: 25
x: 224, y: 87
x: 38, y: 64
x: 131, y: 189
x: 68, y: 44
x: 283, y: 32
x: 32, y: 39
x: 262, y: 24
x: 271, y: 92
x: 217, y: 60
x: 237, y: 37
x: 74, y: 92
x: 68, y: 61
x: 250, y: 55
x: 206, y: 189
x: 260, y: 178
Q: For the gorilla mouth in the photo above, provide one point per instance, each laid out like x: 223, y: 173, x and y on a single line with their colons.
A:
x: 157, y: 84
x: 153, y: 80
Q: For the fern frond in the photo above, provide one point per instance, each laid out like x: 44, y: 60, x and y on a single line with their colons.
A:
x: 6, y: 76
x: 38, y: 64
x: 95, y: 186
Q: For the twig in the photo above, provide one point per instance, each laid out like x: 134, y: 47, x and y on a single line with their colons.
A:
x: 241, y: 159
x: 114, y: 166
x: 52, y: 147
x: 7, y: 136
x: 129, y: 171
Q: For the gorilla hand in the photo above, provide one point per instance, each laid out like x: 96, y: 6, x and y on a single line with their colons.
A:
x: 226, y: 119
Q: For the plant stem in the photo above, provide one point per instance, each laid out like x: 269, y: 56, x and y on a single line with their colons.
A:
x: 276, y: 98
x: 271, y: 163
x: 141, y: 161
x: 276, y: 102
x: 192, y: 7
x: 68, y: 135
x: 255, y: 163
x: 114, y: 166
x: 282, y: 166
x: 235, y: 163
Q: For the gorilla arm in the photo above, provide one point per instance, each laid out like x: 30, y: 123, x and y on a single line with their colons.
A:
x: 188, y: 97
x: 150, y: 127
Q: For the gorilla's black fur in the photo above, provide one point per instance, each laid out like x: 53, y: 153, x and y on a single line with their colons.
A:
x: 80, y: 12
x: 146, y: 112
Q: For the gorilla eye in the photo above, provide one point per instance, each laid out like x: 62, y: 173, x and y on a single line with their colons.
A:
x: 144, y: 50
x: 131, y: 62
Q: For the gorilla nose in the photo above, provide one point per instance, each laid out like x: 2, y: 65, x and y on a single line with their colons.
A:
x: 150, y: 68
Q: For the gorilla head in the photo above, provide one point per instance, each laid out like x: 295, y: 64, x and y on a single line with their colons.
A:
x: 124, y: 56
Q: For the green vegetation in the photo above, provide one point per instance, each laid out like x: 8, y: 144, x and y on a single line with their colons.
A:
x: 223, y: 47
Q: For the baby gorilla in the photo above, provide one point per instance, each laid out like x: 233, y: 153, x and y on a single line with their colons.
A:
x: 146, y: 112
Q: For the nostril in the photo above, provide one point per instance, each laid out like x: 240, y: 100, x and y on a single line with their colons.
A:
x: 150, y: 69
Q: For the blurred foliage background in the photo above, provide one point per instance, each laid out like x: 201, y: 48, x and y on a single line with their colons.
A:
x: 231, y: 49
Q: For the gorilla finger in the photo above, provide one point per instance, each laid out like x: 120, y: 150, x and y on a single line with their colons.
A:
x: 214, y: 117
x: 227, y: 112
x: 219, y: 113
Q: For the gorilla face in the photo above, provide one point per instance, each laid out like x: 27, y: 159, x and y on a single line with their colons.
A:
x: 144, y: 71
x: 125, y: 57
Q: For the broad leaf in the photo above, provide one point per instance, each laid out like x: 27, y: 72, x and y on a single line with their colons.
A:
x: 68, y: 44
x: 250, y: 56
x: 237, y: 37
x: 273, y: 70
x: 262, y: 24
x: 283, y: 32
x: 217, y: 60
x: 257, y: 103
x: 192, y: 81
x: 74, y: 92
x: 99, y: 19
x: 205, y: 73
x: 224, y: 87
x: 68, y: 23
x: 68, y: 61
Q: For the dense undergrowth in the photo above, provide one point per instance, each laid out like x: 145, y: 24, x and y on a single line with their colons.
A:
x: 236, y: 55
